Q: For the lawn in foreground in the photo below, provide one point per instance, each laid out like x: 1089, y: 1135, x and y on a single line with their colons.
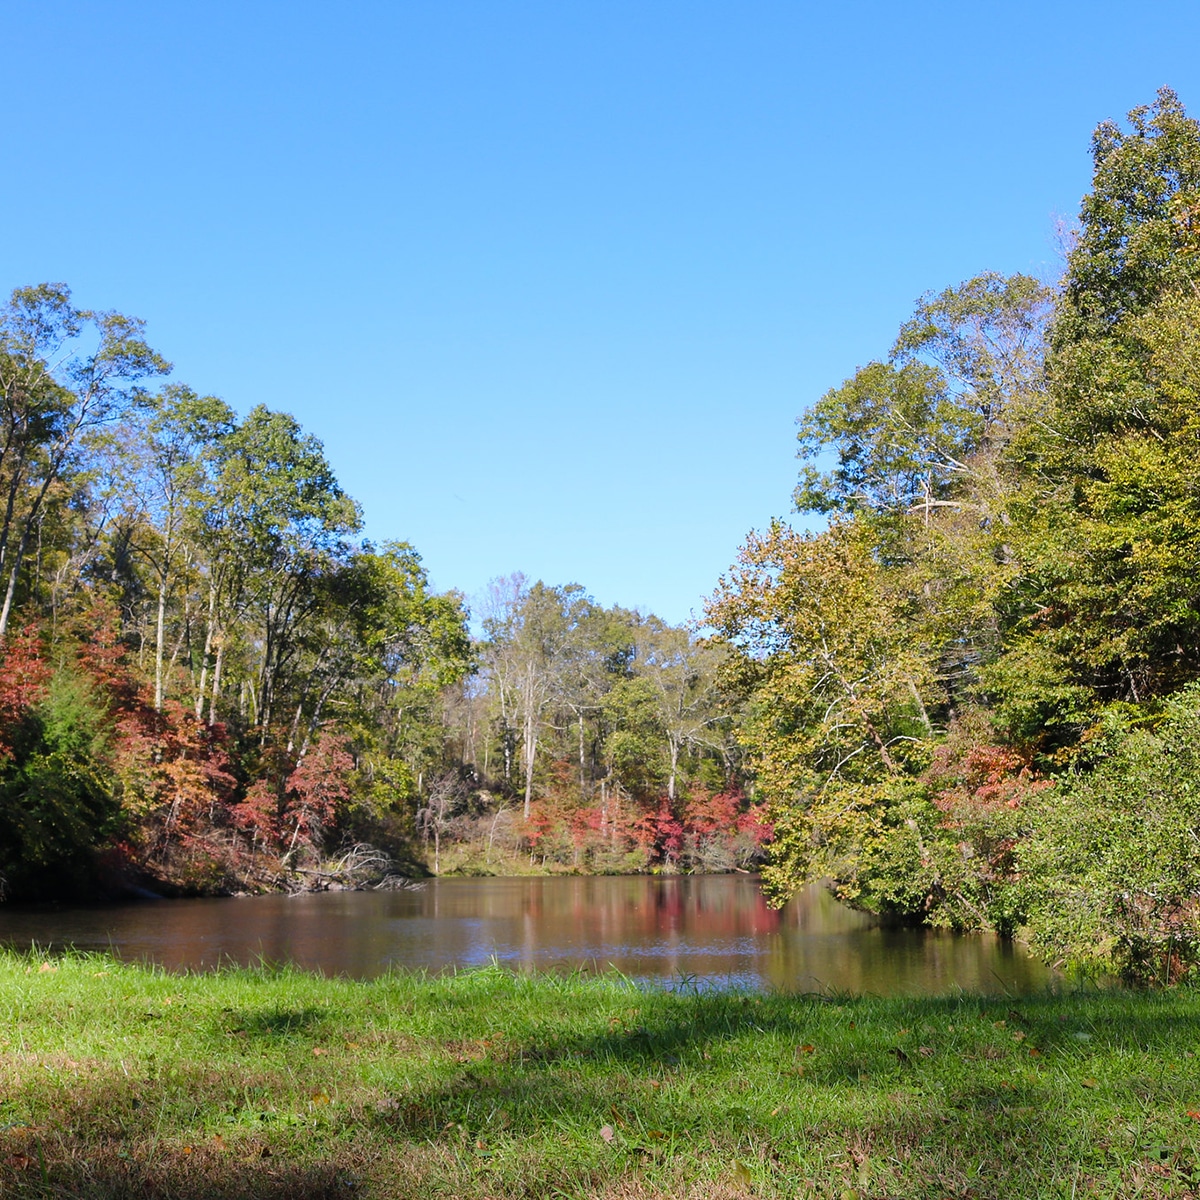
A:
x: 126, y: 1081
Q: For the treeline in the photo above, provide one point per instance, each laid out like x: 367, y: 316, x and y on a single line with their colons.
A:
x: 209, y: 681
x: 972, y: 699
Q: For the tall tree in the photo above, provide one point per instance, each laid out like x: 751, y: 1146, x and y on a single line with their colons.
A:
x: 1106, y: 608
x: 64, y: 372
x: 278, y: 521
x: 175, y: 453
x: 683, y: 676
x: 529, y: 640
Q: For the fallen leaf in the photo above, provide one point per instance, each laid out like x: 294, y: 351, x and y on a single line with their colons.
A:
x: 606, y: 1132
x: 656, y: 1134
x: 1034, y: 1052
x: 20, y: 1161
x: 187, y: 1149
x: 319, y: 1050
x: 1019, y: 1036
x: 742, y: 1174
x: 46, y: 967
x: 925, y: 1051
x: 1087, y: 1083
x: 807, y: 1048
x: 1193, y: 1114
x: 320, y: 1097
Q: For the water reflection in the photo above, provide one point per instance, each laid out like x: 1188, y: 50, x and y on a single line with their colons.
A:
x: 710, y: 929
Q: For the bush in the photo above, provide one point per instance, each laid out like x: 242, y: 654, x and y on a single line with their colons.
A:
x: 1111, y: 869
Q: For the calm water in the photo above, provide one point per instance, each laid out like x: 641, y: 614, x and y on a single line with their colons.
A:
x: 713, y: 929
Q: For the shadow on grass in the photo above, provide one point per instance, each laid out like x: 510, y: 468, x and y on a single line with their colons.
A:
x: 794, y: 1086
x: 277, y: 1022
x: 1004, y: 1116
x: 104, y: 1173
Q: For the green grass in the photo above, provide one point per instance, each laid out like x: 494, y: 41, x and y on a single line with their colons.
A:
x: 126, y: 1081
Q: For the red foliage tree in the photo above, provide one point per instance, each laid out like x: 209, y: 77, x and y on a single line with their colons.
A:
x: 173, y: 772
x: 24, y: 676
x: 316, y: 789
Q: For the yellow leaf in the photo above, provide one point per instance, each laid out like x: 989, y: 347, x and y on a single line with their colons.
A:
x: 319, y: 1098
x: 1088, y: 1083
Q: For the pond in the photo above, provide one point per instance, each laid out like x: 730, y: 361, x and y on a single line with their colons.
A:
x: 711, y: 930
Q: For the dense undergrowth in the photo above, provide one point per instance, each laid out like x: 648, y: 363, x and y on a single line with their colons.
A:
x: 119, y: 1080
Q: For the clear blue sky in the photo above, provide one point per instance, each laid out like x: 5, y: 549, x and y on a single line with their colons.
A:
x: 552, y: 280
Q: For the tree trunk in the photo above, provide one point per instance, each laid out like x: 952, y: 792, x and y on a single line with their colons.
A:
x: 216, y: 688
x: 530, y: 753
x: 582, y: 757
x: 159, y: 629
x: 210, y: 626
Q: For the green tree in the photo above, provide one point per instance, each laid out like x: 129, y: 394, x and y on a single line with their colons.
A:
x: 1106, y: 606
x: 683, y: 677
x: 64, y: 373
x: 172, y: 456
x: 837, y: 686
x: 277, y: 522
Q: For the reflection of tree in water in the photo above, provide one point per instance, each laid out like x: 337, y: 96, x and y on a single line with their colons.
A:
x: 714, y: 927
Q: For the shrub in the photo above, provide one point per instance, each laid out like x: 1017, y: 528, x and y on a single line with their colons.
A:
x: 1111, y: 869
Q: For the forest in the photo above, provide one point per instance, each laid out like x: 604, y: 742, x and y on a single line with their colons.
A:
x: 969, y: 698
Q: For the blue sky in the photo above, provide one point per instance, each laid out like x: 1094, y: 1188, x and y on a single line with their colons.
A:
x: 551, y: 281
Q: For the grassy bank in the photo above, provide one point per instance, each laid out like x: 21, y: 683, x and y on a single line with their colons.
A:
x: 123, y: 1081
